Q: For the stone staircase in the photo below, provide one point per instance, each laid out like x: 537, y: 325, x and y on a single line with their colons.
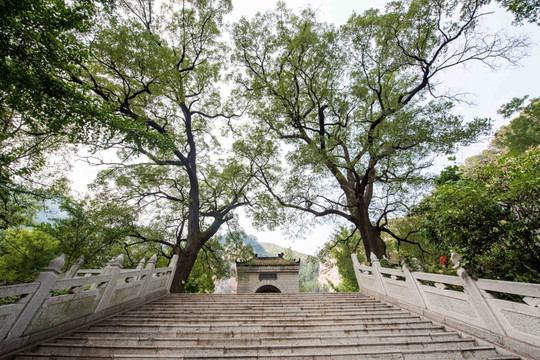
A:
x: 264, y: 326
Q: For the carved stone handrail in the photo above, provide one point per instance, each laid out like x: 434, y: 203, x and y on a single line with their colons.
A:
x: 38, y: 315
x: 461, y: 302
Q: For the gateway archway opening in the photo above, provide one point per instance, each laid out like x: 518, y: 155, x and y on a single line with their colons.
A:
x: 268, y: 289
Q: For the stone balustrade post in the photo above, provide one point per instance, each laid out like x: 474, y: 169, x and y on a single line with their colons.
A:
x: 141, y: 264
x: 150, y: 266
x: 113, y: 268
x: 173, y: 264
x: 413, y: 286
x: 478, y: 302
x: 376, y: 265
x: 72, y: 272
x: 46, y: 279
x: 357, y: 273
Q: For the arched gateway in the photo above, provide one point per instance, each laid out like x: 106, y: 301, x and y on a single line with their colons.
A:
x: 268, y: 275
x: 268, y: 289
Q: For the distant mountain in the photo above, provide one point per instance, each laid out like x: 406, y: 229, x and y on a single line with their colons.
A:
x: 263, y: 249
x: 273, y: 250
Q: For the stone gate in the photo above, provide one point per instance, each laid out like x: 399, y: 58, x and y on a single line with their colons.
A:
x: 268, y: 274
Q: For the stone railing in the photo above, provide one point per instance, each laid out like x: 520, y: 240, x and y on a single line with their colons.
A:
x: 472, y: 306
x: 88, y: 295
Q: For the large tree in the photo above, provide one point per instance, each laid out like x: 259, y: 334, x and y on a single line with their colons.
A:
x: 158, y: 70
x: 358, y: 106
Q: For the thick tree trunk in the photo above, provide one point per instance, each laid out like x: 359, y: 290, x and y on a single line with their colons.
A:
x: 371, y: 237
x: 186, y: 260
x: 188, y: 255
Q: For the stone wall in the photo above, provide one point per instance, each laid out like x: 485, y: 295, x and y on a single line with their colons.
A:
x: 249, y: 279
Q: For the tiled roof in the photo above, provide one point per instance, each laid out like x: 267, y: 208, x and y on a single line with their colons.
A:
x: 268, y: 261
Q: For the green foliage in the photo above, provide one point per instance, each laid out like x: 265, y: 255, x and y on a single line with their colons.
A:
x: 448, y: 174
x: 353, y: 105
x: 308, y: 276
x: 94, y: 230
x: 523, y: 132
x: 339, y: 249
x: 528, y: 10
x: 491, y: 218
x: 214, y: 263
x: 40, y: 109
x: 24, y: 253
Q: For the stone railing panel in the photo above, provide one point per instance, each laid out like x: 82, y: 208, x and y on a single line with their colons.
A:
x: 437, y: 278
x: 84, y: 283
x: 520, y: 321
x: 62, y: 309
x: 461, y: 302
x: 10, y: 312
x: 398, y: 289
x: 89, y: 296
x: 451, y: 303
x: 394, y: 284
x: 509, y: 287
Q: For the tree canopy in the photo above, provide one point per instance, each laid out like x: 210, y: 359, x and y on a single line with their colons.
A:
x: 487, y: 209
x: 358, y: 106
x: 327, y: 121
x: 158, y: 69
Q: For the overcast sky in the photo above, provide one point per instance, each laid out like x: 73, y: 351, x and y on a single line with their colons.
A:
x: 488, y: 90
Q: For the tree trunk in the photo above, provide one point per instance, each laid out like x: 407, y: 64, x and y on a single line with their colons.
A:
x: 188, y: 255
x: 371, y: 237
x: 186, y: 260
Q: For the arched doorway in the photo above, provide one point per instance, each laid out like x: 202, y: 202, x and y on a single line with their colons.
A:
x: 268, y: 289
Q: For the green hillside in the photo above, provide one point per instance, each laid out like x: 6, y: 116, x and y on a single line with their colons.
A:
x: 273, y: 250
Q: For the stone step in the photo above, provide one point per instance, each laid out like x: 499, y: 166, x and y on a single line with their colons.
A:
x: 246, y: 331
x: 354, y: 298
x: 255, y: 307
x: 276, y: 350
x: 265, y: 339
x: 260, y: 313
x: 183, y: 328
x: 250, y: 318
x: 264, y: 326
x: 266, y: 306
x: 480, y: 353
x: 321, y: 322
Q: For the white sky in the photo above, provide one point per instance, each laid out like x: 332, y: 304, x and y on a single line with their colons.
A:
x: 489, y: 90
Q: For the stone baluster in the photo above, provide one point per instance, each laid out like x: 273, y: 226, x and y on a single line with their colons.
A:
x: 150, y: 266
x: 376, y: 265
x: 173, y: 264
x: 139, y: 267
x: 72, y: 272
x: 357, y: 273
x: 412, y: 283
x: 141, y: 264
x: 46, y: 279
x: 113, y: 269
x: 477, y: 300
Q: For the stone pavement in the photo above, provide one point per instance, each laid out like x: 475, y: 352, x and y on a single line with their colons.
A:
x: 264, y: 326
